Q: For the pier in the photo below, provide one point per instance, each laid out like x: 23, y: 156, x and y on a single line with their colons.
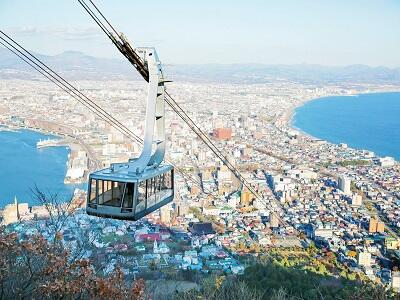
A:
x: 51, y: 143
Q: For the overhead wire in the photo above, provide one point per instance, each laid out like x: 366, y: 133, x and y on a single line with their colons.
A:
x: 118, y: 40
x: 67, y: 87
x: 95, y: 18
x: 72, y: 89
x: 64, y: 85
x: 94, y: 5
x: 204, y: 137
x: 175, y: 106
x: 121, y: 42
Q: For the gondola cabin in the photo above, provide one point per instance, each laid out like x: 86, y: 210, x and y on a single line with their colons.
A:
x: 133, y: 189
x: 129, y: 197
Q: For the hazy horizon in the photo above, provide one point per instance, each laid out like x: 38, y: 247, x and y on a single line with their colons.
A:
x: 123, y: 59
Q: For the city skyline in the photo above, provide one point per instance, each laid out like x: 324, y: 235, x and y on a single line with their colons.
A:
x: 242, y: 156
x: 286, y: 33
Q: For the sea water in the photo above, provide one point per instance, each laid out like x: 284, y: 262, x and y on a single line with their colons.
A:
x: 23, y: 166
x: 366, y: 121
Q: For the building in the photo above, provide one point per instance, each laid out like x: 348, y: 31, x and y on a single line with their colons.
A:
x: 165, y: 214
x: 257, y: 135
x: 194, y: 190
x: 160, y: 249
x: 380, y: 227
x: 181, y: 209
x: 207, y: 175
x: 364, y: 258
x: 396, y: 281
x: 222, y: 133
x: 274, y: 221
x: 392, y: 243
x: 288, y: 242
x: 245, y: 198
x: 372, y: 225
x: 224, y: 174
x: 321, y: 232
x: 386, y: 161
x: 77, y: 166
x: 376, y: 226
x: 232, y: 201
x: 356, y: 200
x: 12, y: 213
x: 344, y: 185
x: 201, y: 228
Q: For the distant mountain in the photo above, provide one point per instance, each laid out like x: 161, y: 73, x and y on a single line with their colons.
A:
x: 305, y: 73
x: 77, y: 66
x: 71, y: 64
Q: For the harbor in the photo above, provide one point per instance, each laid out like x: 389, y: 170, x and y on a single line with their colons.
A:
x: 78, y: 160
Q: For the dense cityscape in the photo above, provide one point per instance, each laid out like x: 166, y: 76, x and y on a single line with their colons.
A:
x: 342, y: 202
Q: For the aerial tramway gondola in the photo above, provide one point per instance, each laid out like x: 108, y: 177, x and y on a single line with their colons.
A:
x: 138, y: 187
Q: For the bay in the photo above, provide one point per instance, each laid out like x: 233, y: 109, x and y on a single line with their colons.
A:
x: 23, y: 166
x: 365, y: 121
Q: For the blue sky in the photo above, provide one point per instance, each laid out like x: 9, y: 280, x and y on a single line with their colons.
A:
x: 218, y: 31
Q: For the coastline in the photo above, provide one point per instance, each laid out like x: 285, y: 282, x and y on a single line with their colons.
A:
x: 66, y: 140
x: 292, y: 113
x: 46, y: 170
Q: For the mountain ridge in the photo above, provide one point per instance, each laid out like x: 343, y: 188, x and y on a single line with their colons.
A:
x: 75, y: 65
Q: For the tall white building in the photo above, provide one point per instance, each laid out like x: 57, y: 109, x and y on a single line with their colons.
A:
x: 356, y: 200
x: 345, y: 185
x: 364, y: 259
